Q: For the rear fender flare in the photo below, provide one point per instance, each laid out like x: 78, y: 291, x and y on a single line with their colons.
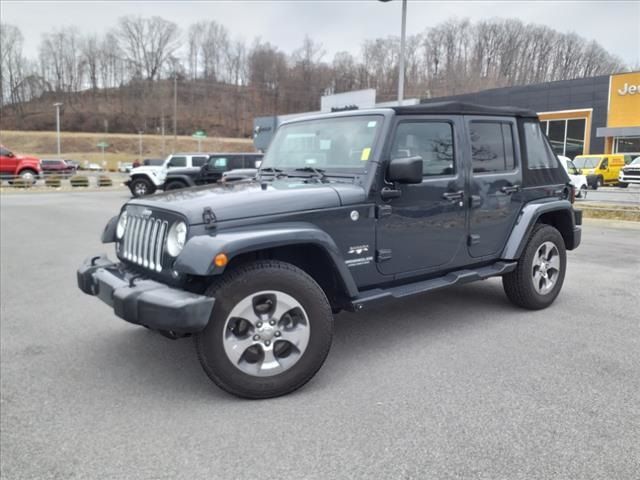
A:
x: 527, y: 219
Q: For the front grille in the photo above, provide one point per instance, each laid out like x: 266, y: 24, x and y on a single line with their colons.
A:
x: 631, y: 173
x: 143, y: 241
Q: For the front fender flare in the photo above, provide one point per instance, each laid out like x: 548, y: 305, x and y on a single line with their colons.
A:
x: 197, y: 256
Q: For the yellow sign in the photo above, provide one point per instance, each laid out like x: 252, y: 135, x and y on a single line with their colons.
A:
x: 365, y: 154
x: 624, y: 100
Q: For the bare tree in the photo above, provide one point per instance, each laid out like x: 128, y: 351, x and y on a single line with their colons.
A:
x: 147, y: 43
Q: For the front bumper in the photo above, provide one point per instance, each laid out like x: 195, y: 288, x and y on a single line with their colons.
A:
x: 143, y: 301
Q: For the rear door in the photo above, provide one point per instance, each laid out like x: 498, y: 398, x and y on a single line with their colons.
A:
x: 495, y: 186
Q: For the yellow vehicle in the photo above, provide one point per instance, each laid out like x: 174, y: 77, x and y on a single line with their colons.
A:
x: 600, y: 169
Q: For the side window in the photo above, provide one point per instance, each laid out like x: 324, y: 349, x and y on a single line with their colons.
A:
x: 605, y: 164
x: 539, y: 154
x: 218, y: 162
x: 236, y: 162
x: 492, y: 147
x: 198, y: 161
x: 4, y: 152
x: 250, y: 160
x: 433, y: 141
x: 178, y: 162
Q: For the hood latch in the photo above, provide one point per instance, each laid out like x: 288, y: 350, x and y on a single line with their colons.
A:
x: 208, y: 217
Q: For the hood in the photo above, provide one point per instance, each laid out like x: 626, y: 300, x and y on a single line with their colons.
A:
x: 27, y: 159
x: 251, y: 199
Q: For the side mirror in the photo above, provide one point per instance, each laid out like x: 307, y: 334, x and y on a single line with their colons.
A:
x: 10, y: 155
x: 405, y: 170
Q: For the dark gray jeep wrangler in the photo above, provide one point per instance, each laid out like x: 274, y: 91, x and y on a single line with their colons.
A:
x: 348, y: 209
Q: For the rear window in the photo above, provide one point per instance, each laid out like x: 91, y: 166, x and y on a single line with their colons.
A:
x: 539, y: 153
x: 586, y: 162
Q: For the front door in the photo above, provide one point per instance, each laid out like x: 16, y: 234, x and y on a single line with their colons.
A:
x: 495, y: 189
x: 424, y: 228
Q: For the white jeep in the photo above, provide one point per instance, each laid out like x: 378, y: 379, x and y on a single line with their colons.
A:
x: 146, y: 179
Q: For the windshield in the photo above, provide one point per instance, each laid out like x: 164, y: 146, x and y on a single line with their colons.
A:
x: 339, y: 144
x: 636, y: 162
x: 572, y: 168
x: 586, y: 162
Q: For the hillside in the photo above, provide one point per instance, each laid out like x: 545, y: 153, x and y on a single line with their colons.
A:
x: 122, y: 147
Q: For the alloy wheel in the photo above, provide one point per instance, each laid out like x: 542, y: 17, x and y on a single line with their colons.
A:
x: 546, y: 267
x: 266, y: 333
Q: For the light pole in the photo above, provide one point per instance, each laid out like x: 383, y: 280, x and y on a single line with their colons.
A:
x: 140, y: 145
x: 58, y: 105
x: 403, y: 34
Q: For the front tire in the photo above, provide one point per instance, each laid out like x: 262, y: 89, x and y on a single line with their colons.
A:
x: 141, y: 186
x: 538, y: 278
x: 269, y: 333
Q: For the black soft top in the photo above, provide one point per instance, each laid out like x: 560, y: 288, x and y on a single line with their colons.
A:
x: 463, y: 108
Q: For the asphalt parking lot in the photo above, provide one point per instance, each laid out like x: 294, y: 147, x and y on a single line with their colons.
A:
x: 454, y: 384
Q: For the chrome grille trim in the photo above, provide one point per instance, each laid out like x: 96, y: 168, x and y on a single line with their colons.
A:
x: 143, y: 241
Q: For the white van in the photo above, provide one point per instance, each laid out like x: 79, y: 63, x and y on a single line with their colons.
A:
x: 577, y: 180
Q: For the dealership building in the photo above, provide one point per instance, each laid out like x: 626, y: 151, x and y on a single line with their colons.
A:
x: 585, y: 115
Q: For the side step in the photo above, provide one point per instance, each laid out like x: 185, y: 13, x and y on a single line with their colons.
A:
x: 374, y: 295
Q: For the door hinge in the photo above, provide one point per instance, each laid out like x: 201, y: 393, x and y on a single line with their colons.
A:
x: 473, y: 239
x: 383, y: 254
x: 383, y: 211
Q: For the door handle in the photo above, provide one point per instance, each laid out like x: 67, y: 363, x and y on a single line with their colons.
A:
x: 453, y: 196
x: 510, y: 189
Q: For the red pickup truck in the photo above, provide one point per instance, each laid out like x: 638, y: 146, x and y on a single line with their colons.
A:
x: 12, y: 166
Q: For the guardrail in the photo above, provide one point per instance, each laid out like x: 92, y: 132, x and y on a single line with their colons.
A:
x: 78, y: 179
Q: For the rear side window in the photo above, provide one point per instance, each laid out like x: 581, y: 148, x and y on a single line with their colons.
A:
x: 433, y: 141
x: 218, y: 162
x: 198, y: 161
x: 492, y: 147
x: 539, y: 153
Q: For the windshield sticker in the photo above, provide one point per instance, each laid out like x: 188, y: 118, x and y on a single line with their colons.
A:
x: 325, y: 144
x: 365, y: 154
x: 372, y: 124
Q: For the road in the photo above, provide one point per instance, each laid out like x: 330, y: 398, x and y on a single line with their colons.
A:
x: 457, y: 384
x: 616, y: 195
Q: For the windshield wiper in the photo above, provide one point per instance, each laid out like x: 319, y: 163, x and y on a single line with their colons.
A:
x: 317, y: 172
x: 277, y: 173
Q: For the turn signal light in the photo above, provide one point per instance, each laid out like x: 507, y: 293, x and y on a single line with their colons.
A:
x: 220, y: 260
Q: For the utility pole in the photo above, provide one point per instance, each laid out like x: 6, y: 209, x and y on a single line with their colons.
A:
x: 403, y: 35
x: 58, y: 105
x: 175, y: 108
x: 140, y: 145
x: 162, y: 130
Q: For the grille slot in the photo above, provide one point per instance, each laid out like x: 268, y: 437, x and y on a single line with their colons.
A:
x: 144, y: 240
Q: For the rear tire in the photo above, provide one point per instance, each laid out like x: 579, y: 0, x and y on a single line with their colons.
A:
x: 175, y: 185
x: 141, y: 186
x: 538, y: 278
x: 260, y: 308
x: 28, y: 176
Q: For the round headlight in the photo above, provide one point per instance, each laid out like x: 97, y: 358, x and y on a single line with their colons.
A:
x: 176, y: 238
x: 122, y: 224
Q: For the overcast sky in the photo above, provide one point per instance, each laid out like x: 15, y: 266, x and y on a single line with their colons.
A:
x: 337, y: 24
